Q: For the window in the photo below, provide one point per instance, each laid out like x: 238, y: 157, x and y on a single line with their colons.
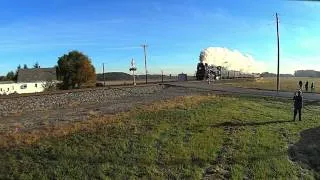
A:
x: 24, y: 86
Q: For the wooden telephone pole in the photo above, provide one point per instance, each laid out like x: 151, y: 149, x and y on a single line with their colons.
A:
x: 278, y: 42
x: 104, y: 78
x: 145, y: 61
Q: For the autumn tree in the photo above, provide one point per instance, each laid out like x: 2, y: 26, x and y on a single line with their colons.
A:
x: 76, y: 70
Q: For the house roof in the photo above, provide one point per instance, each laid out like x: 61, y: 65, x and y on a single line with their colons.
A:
x: 37, y: 74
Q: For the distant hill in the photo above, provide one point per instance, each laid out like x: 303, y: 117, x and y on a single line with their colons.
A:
x: 307, y: 73
x: 118, y: 76
x: 114, y: 76
x: 154, y: 76
x: 267, y: 74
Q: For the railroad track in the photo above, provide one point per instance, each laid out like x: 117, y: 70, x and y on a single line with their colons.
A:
x: 12, y: 96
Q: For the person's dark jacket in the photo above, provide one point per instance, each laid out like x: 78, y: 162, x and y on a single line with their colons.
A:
x: 297, y: 101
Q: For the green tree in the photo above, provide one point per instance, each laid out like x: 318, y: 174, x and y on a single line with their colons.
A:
x: 15, y: 78
x: 10, y: 76
x: 76, y: 70
x: 36, y: 65
x: 25, y: 66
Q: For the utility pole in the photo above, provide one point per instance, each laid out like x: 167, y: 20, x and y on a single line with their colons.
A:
x: 162, y: 76
x: 104, y: 78
x: 145, y: 61
x: 278, y: 42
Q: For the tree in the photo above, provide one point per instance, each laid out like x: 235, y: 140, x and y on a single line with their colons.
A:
x: 16, y: 74
x: 10, y: 76
x: 36, y: 65
x: 76, y: 70
x: 25, y: 66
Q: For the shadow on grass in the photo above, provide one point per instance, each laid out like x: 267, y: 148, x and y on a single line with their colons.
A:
x: 311, y: 103
x: 239, y: 123
x: 307, y: 150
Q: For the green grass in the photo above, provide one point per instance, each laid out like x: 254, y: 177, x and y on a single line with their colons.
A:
x: 270, y: 83
x: 247, y: 137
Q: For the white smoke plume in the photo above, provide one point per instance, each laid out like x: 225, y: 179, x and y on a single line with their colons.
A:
x: 231, y: 59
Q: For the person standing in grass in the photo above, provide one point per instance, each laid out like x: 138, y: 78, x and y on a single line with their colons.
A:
x: 300, y: 84
x: 297, y: 105
x: 306, y: 86
x: 312, y: 87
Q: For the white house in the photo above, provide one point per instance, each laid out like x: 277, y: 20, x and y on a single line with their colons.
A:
x: 29, y: 81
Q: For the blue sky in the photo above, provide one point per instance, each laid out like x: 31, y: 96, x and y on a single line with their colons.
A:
x: 110, y: 32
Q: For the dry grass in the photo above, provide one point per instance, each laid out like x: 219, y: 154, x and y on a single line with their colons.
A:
x: 286, y: 83
x: 18, y: 138
x: 178, y: 102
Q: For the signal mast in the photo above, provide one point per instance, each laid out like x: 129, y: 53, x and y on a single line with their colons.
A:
x: 133, y: 69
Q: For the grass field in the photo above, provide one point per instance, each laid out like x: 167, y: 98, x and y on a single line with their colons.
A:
x: 185, y: 138
x: 286, y: 83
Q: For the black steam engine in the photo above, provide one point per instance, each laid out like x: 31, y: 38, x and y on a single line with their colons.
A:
x: 205, y: 71
x: 201, y: 71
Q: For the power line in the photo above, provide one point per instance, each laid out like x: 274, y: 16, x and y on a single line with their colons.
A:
x: 310, y: 25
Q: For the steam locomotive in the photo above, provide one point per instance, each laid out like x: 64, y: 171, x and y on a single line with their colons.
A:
x: 205, y: 71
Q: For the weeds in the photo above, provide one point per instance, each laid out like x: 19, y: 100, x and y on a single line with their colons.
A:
x: 185, y: 138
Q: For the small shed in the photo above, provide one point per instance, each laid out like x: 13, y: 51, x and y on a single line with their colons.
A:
x: 182, y: 77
